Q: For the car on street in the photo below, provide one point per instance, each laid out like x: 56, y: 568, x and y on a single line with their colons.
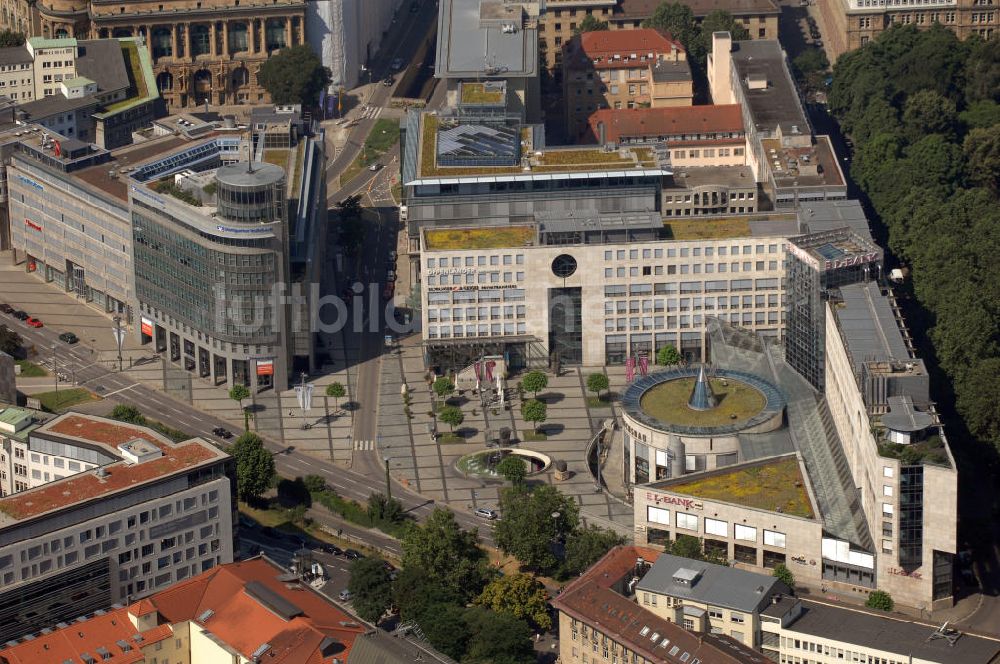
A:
x: 222, y: 432
x: 397, y: 64
x: 6, y: 308
x: 68, y: 337
x: 21, y: 315
x: 351, y: 554
x: 486, y: 513
x: 374, y: 167
x: 34, y: 322
x: 388, y: 81
x: 332, y: 549
x: 345, y: 595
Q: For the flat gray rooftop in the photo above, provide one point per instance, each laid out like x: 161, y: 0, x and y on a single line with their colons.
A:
x: 102, y: 61
x: 727, y: 176
x: 868, y: 326
x: 907, y: 639
x: 778, y: 103
x: 473, y: 43
x: 822, y: 216
x: 710, y: 584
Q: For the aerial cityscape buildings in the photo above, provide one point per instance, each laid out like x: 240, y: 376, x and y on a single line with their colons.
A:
x: 563, y: 330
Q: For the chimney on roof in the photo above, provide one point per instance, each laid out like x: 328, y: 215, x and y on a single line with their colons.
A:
x: 601, y: 133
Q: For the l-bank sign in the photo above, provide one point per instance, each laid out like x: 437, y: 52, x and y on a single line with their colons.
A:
x: 686, y: 503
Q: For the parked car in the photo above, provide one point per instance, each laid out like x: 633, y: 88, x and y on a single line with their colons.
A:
x: 68, y: 337
x: 332, y: 549
x: 351, y: 554
x: 6, y: 308
x: 222, y: 432
x: 345, y: 595
x: 486, y: 513
x: 397, y: 64
x: 34, y: 322
x: 21, y: 315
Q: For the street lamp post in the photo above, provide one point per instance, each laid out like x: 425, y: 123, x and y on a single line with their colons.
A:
x: 55, y: 367
x: 118, y: 338
x: 388, y: 485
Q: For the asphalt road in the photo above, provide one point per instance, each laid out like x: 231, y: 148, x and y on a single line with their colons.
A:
x: 120, y: 388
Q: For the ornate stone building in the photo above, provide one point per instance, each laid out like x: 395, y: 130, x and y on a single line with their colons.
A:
x: 202, y: 50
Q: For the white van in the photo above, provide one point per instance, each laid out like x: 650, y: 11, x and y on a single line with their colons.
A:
x: 402, y: 213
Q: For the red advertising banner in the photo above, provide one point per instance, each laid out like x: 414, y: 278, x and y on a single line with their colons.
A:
x: 265, y: 367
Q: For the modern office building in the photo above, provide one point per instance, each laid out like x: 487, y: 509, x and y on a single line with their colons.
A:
x: 802, y: 630
x: 622, y: 69
x: 601, y: 620
x: 221, y: 268
x: 97, y: 224
x: 704, y: 597
x: 249, y: 611
x: 792, y: 165
x: 491, y: 40
x: 850, y: 24
x: 209, y: 51
x: 857, y: 490
x: 149, y: 513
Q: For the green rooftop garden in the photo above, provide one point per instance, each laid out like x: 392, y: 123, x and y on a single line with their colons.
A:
x: 138, y: 90
x: 930, y: 451
x: 478, y: 93
x: 707, y: 229
x: 776, y: 486
x: 668, y: 402
x: 551, y: 161
x: 479, y: 238
x: 277, y: 156
x: 168, y: 187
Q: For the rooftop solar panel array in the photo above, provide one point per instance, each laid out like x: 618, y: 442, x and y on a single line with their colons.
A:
x: 478, y: 144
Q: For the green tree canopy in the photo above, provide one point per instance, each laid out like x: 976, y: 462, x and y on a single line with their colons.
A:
x: 382, y: 509
x: 126, y: 412
x: 452, y: 416
x: 337, y: 391
x: 928, y: 112
x: 497, y: 638
x: 448, y: 555
x: 293, y: 492
x: 585, y: 546
x: 443, y: 387
x: 668, y: 356
x: 982, y: 71
x: 528, y: 530
x: 676, y: 19
x: 534, y: 411
x: 982, y: 155
x: 518, y: 595
x: 513, y: 469
x: 535, y: 381
x: 9, y: 38
x: 314, y: 483
x: 254, y: 466
x: 591, y: 24
x: 238, y: 393
x: 881, y: 600
x: 371, y: 588
x: 414, y: 593
x: 10, y: 341
x: 783, y: 574
x: 294, y: 75
x: 597, y: 382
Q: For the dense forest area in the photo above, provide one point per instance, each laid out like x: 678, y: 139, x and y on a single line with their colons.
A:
x: 922, y: 109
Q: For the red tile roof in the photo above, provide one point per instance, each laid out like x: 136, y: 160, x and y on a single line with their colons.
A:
x: 597, y: 49
x: 244, y: 623
x: 671, y: 121
x: 85, y: 486
x: 69, y: 643
x: 593, y: 600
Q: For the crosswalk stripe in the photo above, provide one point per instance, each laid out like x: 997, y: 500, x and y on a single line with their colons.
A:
x: 364, y: 444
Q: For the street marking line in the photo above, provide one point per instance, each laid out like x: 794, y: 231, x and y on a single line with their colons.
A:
x: 129, y: 387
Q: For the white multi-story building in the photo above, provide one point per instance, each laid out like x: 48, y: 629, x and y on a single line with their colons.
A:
x: 125, y: 513
x: 347, y: 34
x: 533, y: 290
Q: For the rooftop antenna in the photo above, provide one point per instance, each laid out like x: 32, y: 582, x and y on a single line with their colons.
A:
x: 250, y: 150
